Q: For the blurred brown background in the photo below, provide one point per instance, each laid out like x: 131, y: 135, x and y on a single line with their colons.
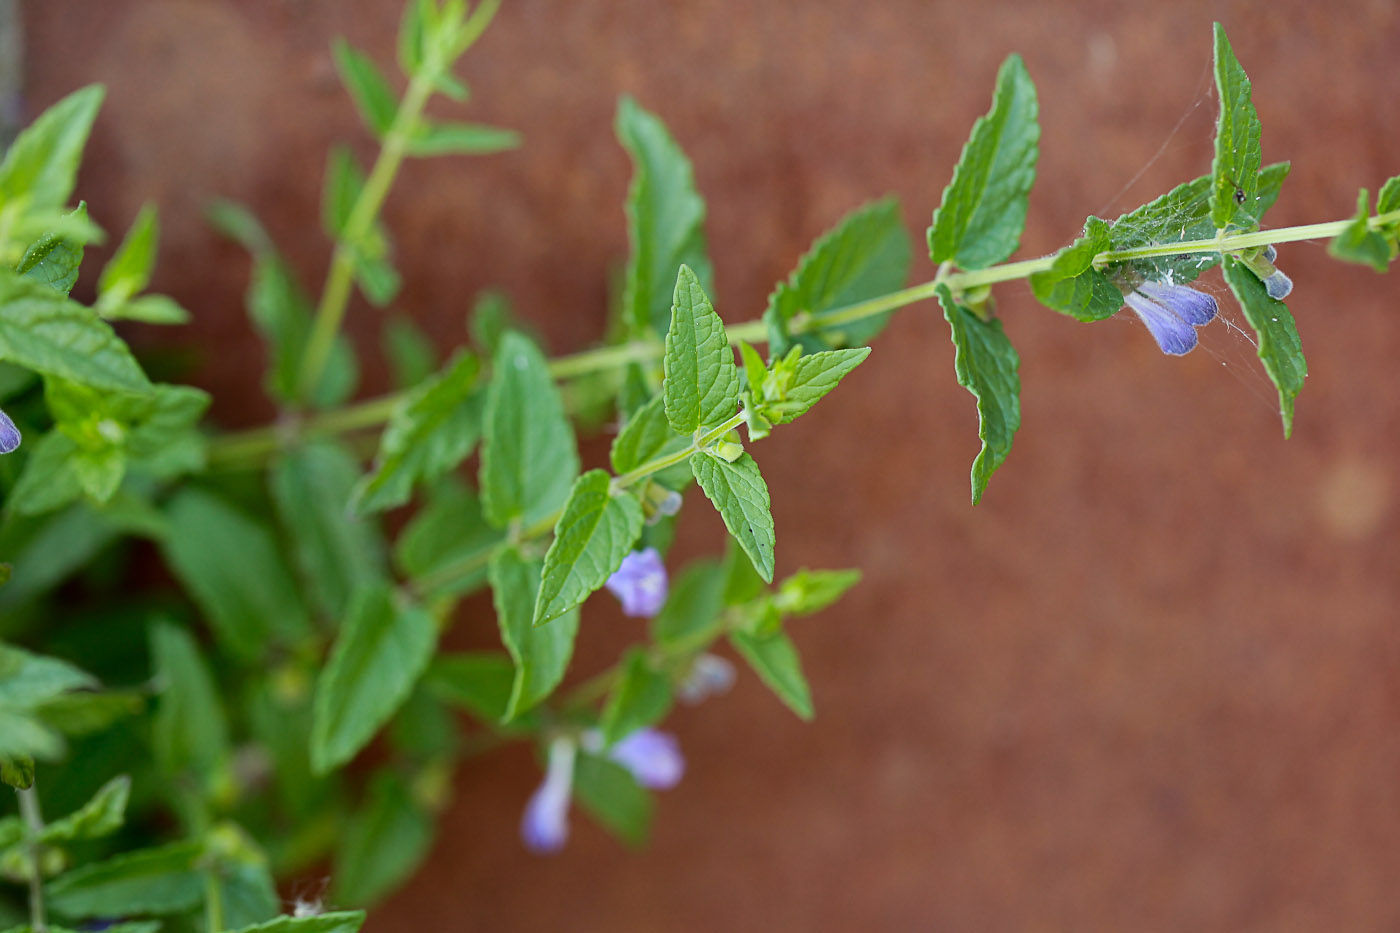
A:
x: 1149, y: 684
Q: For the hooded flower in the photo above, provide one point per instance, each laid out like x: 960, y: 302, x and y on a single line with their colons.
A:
x: 640, y: 583
x: 1172, y: 313
x: 9, y: 435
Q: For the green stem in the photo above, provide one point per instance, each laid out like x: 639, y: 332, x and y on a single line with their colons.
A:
x: 213, y: 903
x: 33, y: 825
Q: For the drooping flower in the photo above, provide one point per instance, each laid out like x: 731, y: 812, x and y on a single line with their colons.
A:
x: 1172, y: 313
x: 9, y: 435
x: 709, y: 675
x: 640, y: 583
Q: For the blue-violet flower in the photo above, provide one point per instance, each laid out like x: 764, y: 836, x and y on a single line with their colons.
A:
x: 1172, y: 313
x: 9, y: 435
x: 640, y: 583
x: 709, y: 675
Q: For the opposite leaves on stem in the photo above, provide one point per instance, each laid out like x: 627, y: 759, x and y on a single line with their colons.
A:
x: 702, y: 384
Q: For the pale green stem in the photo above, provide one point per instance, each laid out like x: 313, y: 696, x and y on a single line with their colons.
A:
x: 33, y: 826
x: 213, y: 903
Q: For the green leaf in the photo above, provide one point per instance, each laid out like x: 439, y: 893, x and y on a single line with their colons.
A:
x: 384, y: 843
x: 100, y: 816
x: 1072, y: 285
x: 149, y: 309
x: 1388, y: 199
x: 189, y: 731
x: 377, y: 278
x: 27, y: 679
x: 21, y: 734
x: 542, y: 653
x: 665, y: 220
x: 340, y: 921
x: 447, y: 533
x: 412, y: 354
x: 53, y: 259
x: 44, y: 331
x: 1277, y: 335
x: 741, y: 497
x: 435, y: 139
x: 42, y: 163
x: 641, y: 698
x: 614, y: 798
x: 128, y: 272
x: 480, y: 682
x: 229, y: 563
x: 135, y: 926
x: 432, y: 430
x: 702, y: 384
x: 810, y: 591
x: 528, y: 458
x: 1235, y: 170
x: 383, y: 647
x: 339, y: 189
x: 17, y: 772
x: 864, y: 256
x: 646, y: 436
x: 986, y: 365
x: 775, y: 661
x: 1359, y: 243
x: 335, y: 550
x: 691, y: 612
x: 147, y: 881
x: 595, y: 532
x: 80, y: 714
x: 983, y: 212
x: 371, y: 92
x: 45, y: 551
x: 813, y: 376
x: 49, y: 479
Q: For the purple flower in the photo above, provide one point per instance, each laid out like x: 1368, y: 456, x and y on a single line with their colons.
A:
x: 545, y: 825
x: 9, y: 435
x: 1172, y: 313
x: 653, y: 757
x: 709, y: 675
x: 640, y: 583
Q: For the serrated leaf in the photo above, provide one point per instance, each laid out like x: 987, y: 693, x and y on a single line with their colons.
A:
x: 692, y: 609
x: 100, y: 816
x: 44, y: 331
x: 813, y: 376
x: 774, y: 659
x: 128, y: 272
x: 614, y: 798
x: 480, y: 682
x: 42, y: 162
x: 432, y: 430
x: 740, y: 496
x: 1359, y: 243
x: 665, y: 220
x: 1235, y: 170
x: 448, y: 532
x: 528, y: 457
x: 864, y: 256
x: 340, y: 921
x: 1072, y: 285
x: 595, y: 532
x: 189, y: 730
x: 1277, y: 336
x: 147, y: 881
x: 541, y: 653
x: 229, y: 563
x: 702, y: 385
x: 383, y: 647
x: 384, y: 843
x: 984, y: 207
x: 986, y: 366
x: 371, y: 93
x: 435, y: 139
x: 53, y: 259
x: 640, y: 698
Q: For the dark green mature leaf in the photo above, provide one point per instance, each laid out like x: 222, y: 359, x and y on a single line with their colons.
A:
x: 1359, y: 243
x: 432, y: 430
x: 480, y: 682
x: 147, y: 881
x: 448, y: 532
x: 665, y: 220
x: 1235, y: 171
x: 528, y: 457
x: 541, y: 653
x: 702, y: 384
x: 230, y: 564
x: 23, y: 735
x: 247, y: 889
x: 340, y: 921
x: 383, y: 647
x: 614, y: 798
x: 984, y: 207
x: 986, y: 365
x: 44, y: 331
x: 371, y: 92
x: 189, y: 732
x: 775, y: 660
x: 740, y: 496
x: 134, y: 926
x: 1072, y: 285
x: 864, y: 256
x: 1277, y: 335
x: 336, y: 551
x: 42, y: 163
x: 45, y: 551
x: 692, y: 610
x: 813, y: 376
x: 53, y: 260
x: 641, y: 698
x: 100, y: 816
x: 435, y: 139
x: 647, y: 436
x: 384, y: 844
x: 49, y: 479
x: 595, y: 532
x: 27, y: 679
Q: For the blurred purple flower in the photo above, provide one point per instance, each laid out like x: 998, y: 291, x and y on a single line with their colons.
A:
x: 653, y: 757
x: 709, y: 675
x: 9, y: 435
x: 545, y: 825
x: 640, y: 583
x: 1172, y: 313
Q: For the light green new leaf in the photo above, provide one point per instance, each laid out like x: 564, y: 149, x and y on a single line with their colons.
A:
x: 340, y: 187
x: 983, y: 212
x: 809, y: 591
x: 665, y: 220
x: 691, y: 612
x: 1072, y: 285
x: 431, y: 431
x: 480, y: 682
x: 379, y: 281
x: 640, y: 698
x: 1235, y: 172
x: 740, y: 496
x: 371, y: 92
x: 1359, y: 243
x: 384, y: 843
x: 435, y: 139
x: 53, y: 260
x: 147, y: 881
x: 986, y: 365
x: 412, y: 354
x: 230, y: 564
x: 702, y: 385
x: 528, y: 457
x: 612, y: 796
x: 340, y: 921
x: 42, y: 163
x: 44, y: 331
x: 1277, y: 335
x: 335, y: 550
x: 813, y: 376
x: 595, y: 532
x: 864, y: 256
x: 449, y: 532
x: 189, y: 731
x: 100, y: 816
x: 775, y: 660
x: 128, y: 272
x: 383, y: 647
x: 541, y: 654
x: 1388, y: 198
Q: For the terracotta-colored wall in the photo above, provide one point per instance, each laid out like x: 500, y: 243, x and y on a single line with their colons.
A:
x: 1149, y: 684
